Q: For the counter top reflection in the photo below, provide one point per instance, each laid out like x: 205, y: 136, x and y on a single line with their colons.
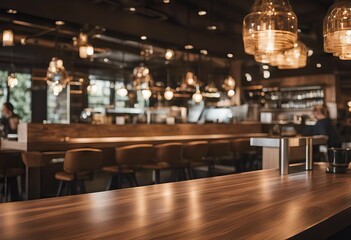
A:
x: 255, y: 205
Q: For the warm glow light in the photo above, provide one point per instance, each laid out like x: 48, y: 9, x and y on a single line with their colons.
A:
x: 169, y: 54
x: 231, y: 93
x: 248, y: 77
x: 141, y: 71
x: 168, y: 94
x: 318, y: 65
x: 190, y: 78
x: 202, y: 13
x: 188, y: 47
x: 212, y: 27
x: 337, y: 30
x: 143, y: 38
x: 12, y: 80
x: 266, y: 74
x: 92, y: 88
x: 146, y: 93
x: 349, y: 104
x: 132, y: 9
x: 230, y: 55
x: 204, y: 52
x: 294, y: 58
x: 197, y: 96
x: 56, y: 76
x: 86, y: 51
x: 7, y: 38
x: 269, y: 28
x: 122, y: 91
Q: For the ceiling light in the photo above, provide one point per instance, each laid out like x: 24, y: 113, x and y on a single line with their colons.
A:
x: 11, y: 11
x: 318, y: 65
x: 146, y: 93
x: 7, y: 38
x: 202, y: 13
x: 132, y: 9
x: 82, y: 39
x: 141, y: 71
x: 188, y: 46
x: 86, y: 51
x: 169, y: 54
x: 212, y: 27
x: 166, y: 1
x: 310, y: 52
x: 248, y: 77
x: 92, y: 88
x: 106, y: 60
x: 265, y: 67
x: 168, y: 94
x: 143, y: 38
x: 59, y: 23
x: 12, y: 80
x: 230, y: 55
x: 204, y: 52
x: 294, y: 58
x: 270, y: 27
x: 266, y: 74
x: 122, y: 91
x: 56, y: 76
x: 337, y: 30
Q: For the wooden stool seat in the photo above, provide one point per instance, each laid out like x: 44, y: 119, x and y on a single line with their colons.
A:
x: 79, y: 165
x: 116, y: 169
x: 12, y: 172
x: 195, y: 153
x: 65, y: 176
x: 159, y: 165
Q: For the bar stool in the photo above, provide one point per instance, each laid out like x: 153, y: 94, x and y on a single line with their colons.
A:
x: 10, y: 169
x: 217, y: 150
x: 129, y: 159
x: 79, y: 165
x: 194, y: 153
x: 166, y: 156
x: 243, y: 154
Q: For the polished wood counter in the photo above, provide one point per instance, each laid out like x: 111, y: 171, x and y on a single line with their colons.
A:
x: 254, y: 205
x: 59, y: 137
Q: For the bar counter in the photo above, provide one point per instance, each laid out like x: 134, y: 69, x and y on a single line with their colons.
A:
x: 254, y: 205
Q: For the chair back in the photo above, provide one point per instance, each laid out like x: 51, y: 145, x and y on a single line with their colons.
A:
x: 195, y: 150
x: 82, y: 160
x: 134, y: 155
x: 168, y: 152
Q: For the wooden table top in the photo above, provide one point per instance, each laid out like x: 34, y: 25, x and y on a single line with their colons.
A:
x: 255, y: 205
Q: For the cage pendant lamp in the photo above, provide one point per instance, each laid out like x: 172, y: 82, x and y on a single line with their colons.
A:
x: 337, y: 30
x: 295, y: 58
x: 270, y: 27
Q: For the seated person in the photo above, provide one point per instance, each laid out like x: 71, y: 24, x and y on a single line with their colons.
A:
x: 9, y: 120
x: 324, y: 126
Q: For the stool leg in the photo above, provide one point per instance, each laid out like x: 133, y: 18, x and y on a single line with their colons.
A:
x: 74, y: 187
x: 157, y: 176
x: 82, y: 188
x: 135, y: 179
x: 59, y: 189
x: 6, y: 189
x: 67, y: 186
x: 109, y: 184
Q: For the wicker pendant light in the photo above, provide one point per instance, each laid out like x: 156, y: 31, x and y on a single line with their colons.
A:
x: 337, y: 30
x: 270, y: 27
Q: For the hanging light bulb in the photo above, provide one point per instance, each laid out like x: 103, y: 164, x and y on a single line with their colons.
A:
x: 231, y: 93
x: 190, y: 78
x: 83, y: 39
x: 56, y: 76
x: 12, y: 80
x: 337, y: 30
x: 86, y: 51
x: 168, y: 94
x: 270, y: 27
x: 141, y: 71
x: 169, y: 54
x: 146, y: 93
x: 295, y: 58
x: 122, y: 91
x: 92, y: 88
x: 7, y: 38
x: 197, y: 96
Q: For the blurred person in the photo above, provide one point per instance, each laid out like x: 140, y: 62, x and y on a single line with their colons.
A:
x: 324, y: 126
x: 9, y: 120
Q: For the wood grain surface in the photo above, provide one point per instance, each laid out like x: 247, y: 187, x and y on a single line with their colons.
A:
x: 255, y: 205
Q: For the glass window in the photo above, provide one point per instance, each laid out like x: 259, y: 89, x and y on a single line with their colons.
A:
x: 20, y: 95
x: 99, y: 95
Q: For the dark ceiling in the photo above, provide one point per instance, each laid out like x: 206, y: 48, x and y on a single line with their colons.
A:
x: 169, y: 25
